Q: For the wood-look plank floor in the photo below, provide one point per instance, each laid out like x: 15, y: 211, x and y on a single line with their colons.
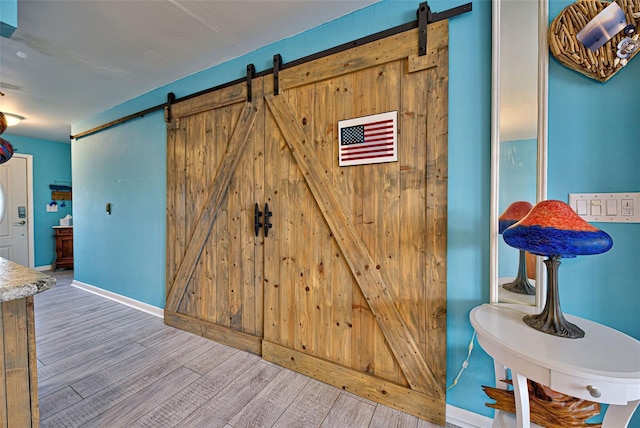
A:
x: 104, y: 364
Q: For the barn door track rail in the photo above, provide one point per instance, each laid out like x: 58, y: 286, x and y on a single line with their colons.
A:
x: 425, y: 17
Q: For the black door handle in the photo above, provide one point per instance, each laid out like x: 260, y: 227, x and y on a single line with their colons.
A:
x: 256, y: 219
x: 267, y: 220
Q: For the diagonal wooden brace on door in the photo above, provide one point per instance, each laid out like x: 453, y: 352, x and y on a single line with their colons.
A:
x: 401, y: 341
x: 198, y: 238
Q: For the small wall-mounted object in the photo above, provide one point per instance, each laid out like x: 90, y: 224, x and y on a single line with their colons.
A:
x: 60, y: 192
x: 108, y: 208
x: 52, y: 207
x: 61, y: 196
x: 368, y: 139
x: 602, y: 53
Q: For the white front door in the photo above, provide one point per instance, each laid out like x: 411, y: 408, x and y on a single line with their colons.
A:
x: 16, y: 226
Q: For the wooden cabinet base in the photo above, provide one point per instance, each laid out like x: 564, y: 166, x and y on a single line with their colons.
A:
x: 18, y: 374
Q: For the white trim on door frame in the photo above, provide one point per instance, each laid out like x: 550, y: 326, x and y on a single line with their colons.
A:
x: 30, y: 228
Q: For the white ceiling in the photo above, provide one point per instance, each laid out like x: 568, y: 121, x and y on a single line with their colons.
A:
x: 84, y: 57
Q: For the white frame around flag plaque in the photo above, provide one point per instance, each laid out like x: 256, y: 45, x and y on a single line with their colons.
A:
x: 368, y: 139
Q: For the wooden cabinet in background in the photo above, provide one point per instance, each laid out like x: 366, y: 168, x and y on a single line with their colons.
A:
x: 64, y: 247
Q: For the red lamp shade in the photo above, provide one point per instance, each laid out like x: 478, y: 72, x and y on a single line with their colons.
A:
x: 552, y: 228
x: 514, y: 213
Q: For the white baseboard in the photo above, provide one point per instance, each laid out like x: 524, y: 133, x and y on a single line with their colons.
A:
x: 43, y: 268
x: 466, y: 419
x: 136, y: 304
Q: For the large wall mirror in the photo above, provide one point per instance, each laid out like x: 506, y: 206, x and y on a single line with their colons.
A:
x: 519, y: 139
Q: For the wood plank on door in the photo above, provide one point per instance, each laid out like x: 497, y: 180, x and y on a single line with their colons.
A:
x: 365, y: 271
x: 208, y: 214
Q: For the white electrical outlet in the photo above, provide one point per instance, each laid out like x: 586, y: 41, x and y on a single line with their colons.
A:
x: 607, y: 207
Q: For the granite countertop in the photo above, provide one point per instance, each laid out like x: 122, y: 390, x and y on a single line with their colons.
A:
x: 17, y: 281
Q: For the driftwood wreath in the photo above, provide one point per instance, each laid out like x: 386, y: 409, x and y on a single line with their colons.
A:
x: 603, y: 63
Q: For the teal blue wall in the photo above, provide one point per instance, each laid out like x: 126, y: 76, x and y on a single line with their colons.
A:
x: 124, y: 165
x: 51, y: 164
x: 124, y: 251
x: 594, y: 146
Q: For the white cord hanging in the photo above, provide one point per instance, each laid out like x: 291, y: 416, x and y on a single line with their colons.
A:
x: 465, y: 363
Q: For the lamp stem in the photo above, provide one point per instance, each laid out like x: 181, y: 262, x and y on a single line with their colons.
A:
x: 521, y: 284
x: 551, y: 320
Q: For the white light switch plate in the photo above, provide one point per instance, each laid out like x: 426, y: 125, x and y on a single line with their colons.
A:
x: 52, y: 208
x: 607, y: 207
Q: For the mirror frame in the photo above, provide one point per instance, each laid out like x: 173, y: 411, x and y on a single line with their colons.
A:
x: 542, y: 131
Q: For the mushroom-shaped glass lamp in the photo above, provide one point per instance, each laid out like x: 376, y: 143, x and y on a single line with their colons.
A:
x: 514, y: 213
x: 554, y: 230
x: 6, y: 150
x: 3, y: 123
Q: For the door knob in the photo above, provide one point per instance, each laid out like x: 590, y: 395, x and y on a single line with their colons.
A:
x: 19, y: 223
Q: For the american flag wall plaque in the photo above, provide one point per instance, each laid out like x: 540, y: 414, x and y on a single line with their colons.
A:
x: 368, y: 139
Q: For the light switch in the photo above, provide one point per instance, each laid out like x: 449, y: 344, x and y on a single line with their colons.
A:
x: 607, y: 207
x: 581, y: 207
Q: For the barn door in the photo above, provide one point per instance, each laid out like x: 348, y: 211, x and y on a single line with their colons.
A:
x: 355, y: 268
x: 214, y: 178
x: 349, y: 286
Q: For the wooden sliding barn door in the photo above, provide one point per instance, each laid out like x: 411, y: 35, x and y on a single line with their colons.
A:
x: 349, y: 286
x: 214, y: 178
x: 355, y: 272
